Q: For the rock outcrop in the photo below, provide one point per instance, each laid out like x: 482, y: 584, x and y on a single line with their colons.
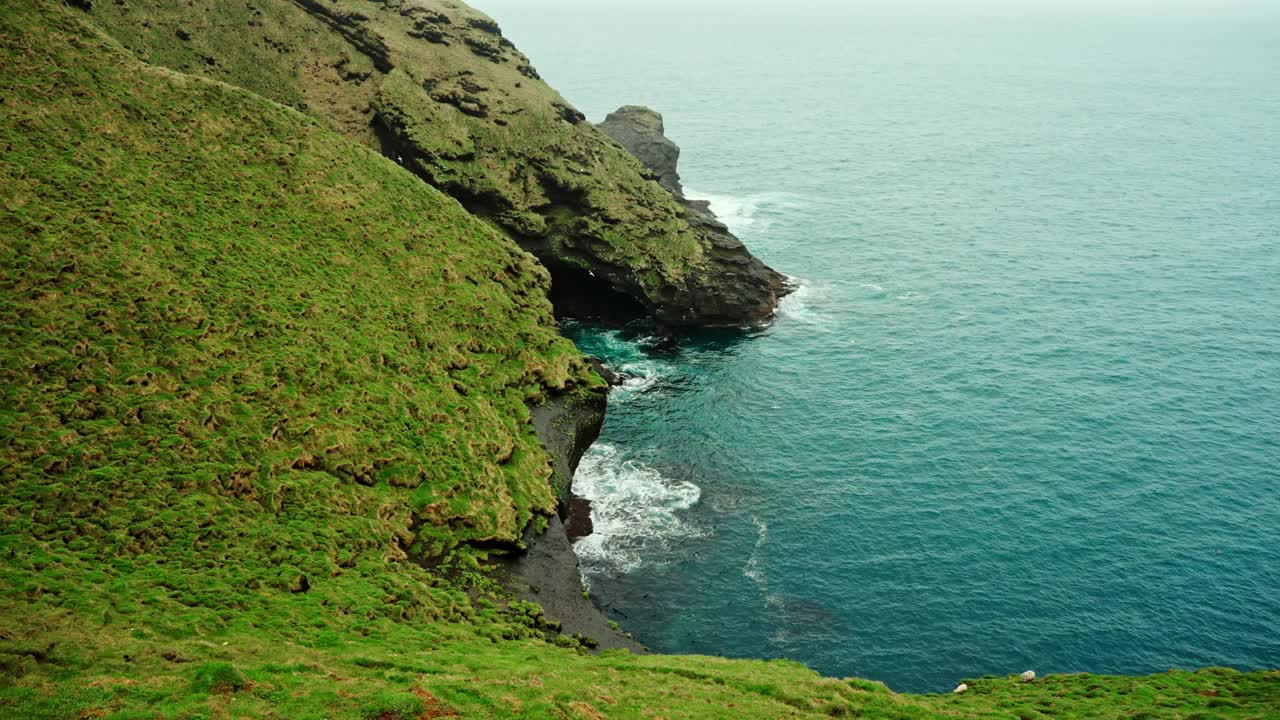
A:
x: 548, y: 575
x: 640, y: 131
x: 567, y: 424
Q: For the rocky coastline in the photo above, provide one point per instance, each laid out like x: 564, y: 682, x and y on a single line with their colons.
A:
x: 546, y: 571
x: 642, y: 133
x: 438, y: 89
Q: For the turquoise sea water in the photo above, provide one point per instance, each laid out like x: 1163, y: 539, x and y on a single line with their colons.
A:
x: 1023, y: 412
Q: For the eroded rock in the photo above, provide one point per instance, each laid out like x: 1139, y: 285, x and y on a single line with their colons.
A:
x: 640, y: 131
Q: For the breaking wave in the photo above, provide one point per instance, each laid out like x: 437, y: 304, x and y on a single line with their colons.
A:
x: 745, y: 214
x: 627, y: 357
x: 805, y: 303
x: 635, y: 512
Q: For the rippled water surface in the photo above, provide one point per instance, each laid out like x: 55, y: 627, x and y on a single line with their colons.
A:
x: 1023, y: 412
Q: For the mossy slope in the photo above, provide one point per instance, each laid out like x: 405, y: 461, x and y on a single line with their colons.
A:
x: 437, y: 87
x: 240, y: 355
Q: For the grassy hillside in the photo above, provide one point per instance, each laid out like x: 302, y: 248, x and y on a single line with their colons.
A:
x: 256, y: 382
x: 436, y: 86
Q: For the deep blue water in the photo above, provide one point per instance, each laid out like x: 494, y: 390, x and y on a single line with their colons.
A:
x: 1024, y: 411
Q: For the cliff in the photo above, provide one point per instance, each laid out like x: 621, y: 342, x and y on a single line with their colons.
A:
x: 219, y: 307
x: 641, y: 132
x: 435, y: 86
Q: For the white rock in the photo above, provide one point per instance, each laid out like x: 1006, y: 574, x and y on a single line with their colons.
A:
x: 960, y: 688
x: 1028, y: 676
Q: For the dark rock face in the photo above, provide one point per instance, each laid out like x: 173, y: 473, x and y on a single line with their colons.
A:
x: 548, y: 575
x: 578, y: 524
x: 743, y: 278
x: 640, y: 131
x: 567, y: 425
x: 610, y: 375
x: 546, y: 572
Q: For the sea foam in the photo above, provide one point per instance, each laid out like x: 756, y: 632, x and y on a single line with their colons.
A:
x: 634, y: 512
x: 749, y: 215
x: 640, y: 372
x: 804, y: 303
x: 738, y: 213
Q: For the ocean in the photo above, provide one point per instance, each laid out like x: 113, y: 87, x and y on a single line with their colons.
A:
x: 1023, y: 411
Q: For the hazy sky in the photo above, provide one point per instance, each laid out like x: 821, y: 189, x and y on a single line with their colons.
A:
x: 1097, y: 8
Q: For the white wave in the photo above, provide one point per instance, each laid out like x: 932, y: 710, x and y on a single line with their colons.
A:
x: 752, y: 569
x: 639, y: 376
x: 639, y: 372
x: 745, y: 214
x: 635, y: 379
x: 804, y: 303
x: 876, y: 291
x: 738, y: 213
x: 634, y: 512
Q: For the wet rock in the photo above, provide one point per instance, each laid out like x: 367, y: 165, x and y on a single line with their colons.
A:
x: 610, y: 376
x: 577, y: 523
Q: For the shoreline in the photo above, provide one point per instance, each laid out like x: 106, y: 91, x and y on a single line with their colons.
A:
x: 546, y: 572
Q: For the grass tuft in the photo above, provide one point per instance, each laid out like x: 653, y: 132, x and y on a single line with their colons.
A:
x: 218, y: 677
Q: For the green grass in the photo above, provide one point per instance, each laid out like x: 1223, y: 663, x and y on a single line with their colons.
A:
x: 247, y: 365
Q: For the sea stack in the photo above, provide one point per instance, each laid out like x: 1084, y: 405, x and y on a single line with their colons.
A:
x: 641, y: 132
